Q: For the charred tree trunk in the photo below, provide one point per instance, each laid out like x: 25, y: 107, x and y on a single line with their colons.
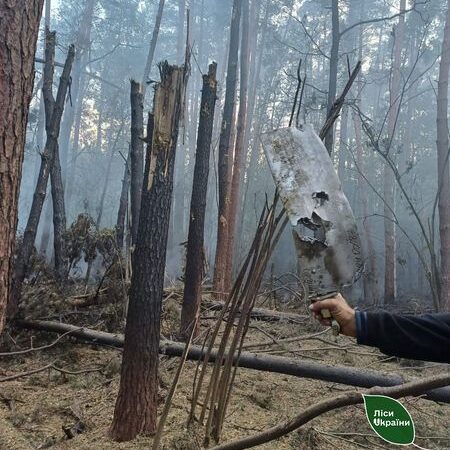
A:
x: 239, y: 146
x: 57, y: 189
x: 51, y: 144
x: 390, y: 246
x: 19, y: 28
x: 224, y: 152
x: 136, y: 406
x: 59, y: 217
x: 443, y: 166
x: 195, y: 249
x: 137, y: 155
x: 123, y: 204
x: 151, y: 50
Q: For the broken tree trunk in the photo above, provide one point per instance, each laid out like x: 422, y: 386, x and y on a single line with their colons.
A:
x: 136, y: 406
x: 19, y: 28
x: 276, y: 364
x: 195, y: 251
x: 137, y: 155
x: 29, y: 237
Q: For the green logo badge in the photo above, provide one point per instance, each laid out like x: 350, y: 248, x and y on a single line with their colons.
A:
x: 389, y: 419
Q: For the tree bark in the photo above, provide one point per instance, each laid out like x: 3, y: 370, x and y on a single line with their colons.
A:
x: 19, y: 28
x: 137, y: 155
x: 136, y: 405
x: 123, y: 204
x: 195, y: 243
x: 239, y: 145
x: 59, y: 217
x: 225, y: 154
x: 443, y: 179
x: 390, y: 246
x: 51, y: 144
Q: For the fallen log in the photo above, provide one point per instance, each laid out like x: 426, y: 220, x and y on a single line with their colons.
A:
x: 277, y: 364
x: 267, y: 315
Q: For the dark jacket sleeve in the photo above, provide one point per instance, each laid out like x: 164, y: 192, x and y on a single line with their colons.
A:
x: 425, y: 337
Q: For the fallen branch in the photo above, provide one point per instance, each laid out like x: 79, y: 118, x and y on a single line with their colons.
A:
x: 85, y: 72
x: 100, y: 297
x: 276, y: 364
x: 36, y: 349
x: 413, y: 388
x: 273, y: 341
x: 25, y: 374
x: 49, y: 366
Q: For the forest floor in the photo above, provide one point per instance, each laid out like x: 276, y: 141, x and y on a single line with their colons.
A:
x: 35, y: 409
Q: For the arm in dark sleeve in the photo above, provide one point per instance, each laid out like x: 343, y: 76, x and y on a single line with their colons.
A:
x: 425, y: 337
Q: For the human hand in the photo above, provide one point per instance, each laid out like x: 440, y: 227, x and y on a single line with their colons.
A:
x: 339, y: 310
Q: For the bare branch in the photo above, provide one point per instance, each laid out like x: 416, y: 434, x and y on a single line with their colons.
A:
x: 85, y: 72
x: 308, y: 34
x: 43, y: 347
x: 381, y: 19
